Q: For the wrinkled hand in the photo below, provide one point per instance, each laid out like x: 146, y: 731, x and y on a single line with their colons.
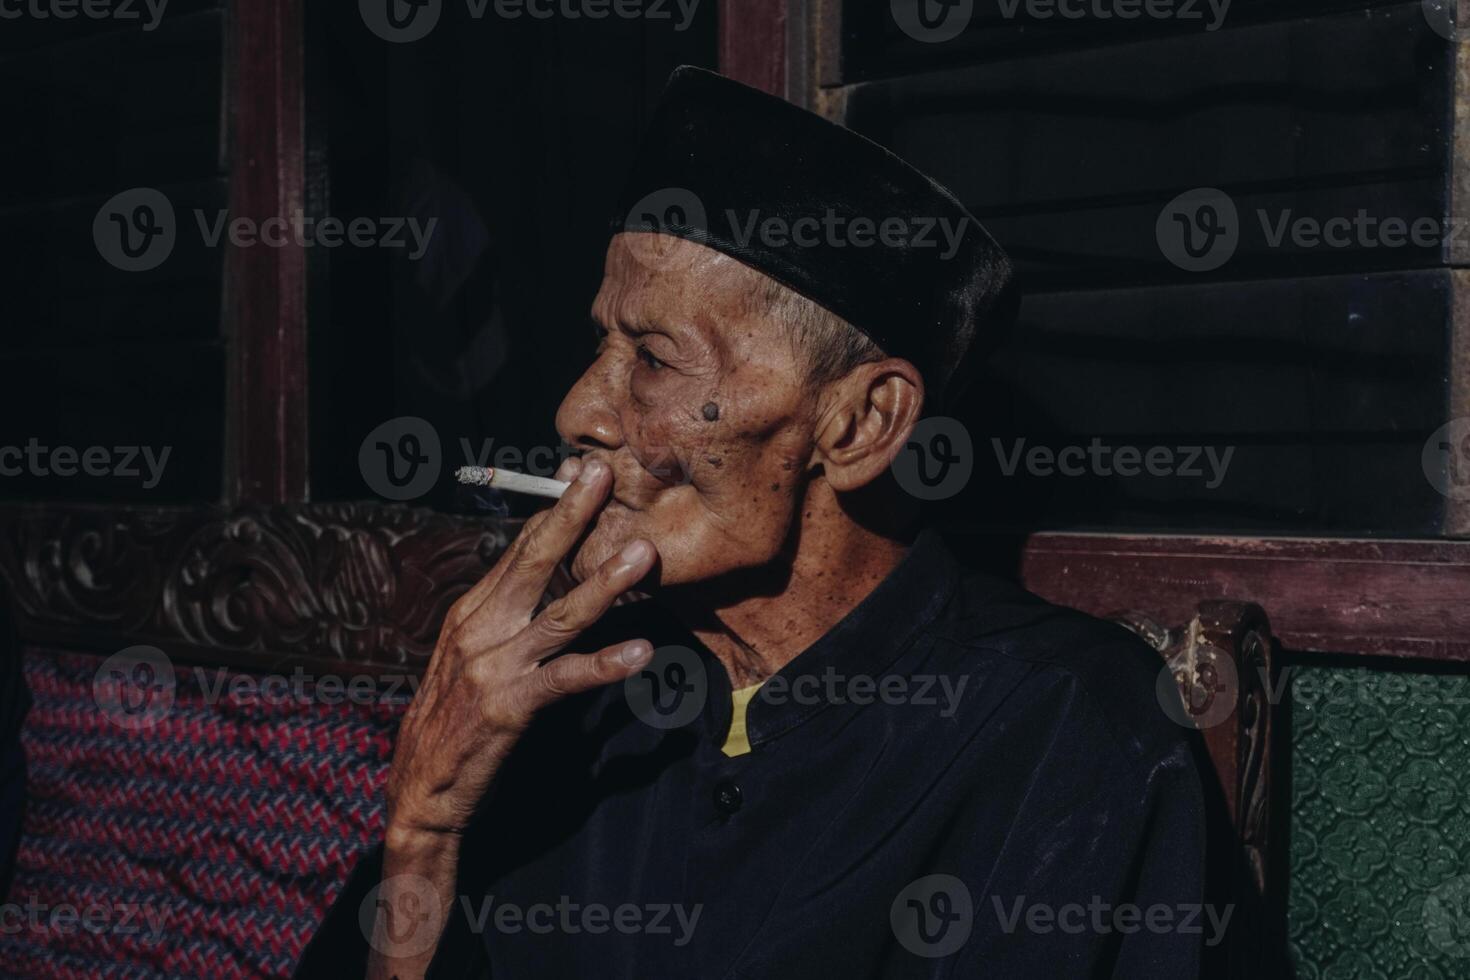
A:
x: 485, y: 681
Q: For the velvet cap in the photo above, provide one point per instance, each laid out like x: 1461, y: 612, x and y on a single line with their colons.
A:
x: 826, y: 212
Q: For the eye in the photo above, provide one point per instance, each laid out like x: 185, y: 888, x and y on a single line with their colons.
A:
x: 647, y: 357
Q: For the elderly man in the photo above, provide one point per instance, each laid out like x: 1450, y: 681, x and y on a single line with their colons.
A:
x: 820, y: 748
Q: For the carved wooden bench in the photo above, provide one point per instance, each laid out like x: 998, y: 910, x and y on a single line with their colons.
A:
x: 1221, y: 663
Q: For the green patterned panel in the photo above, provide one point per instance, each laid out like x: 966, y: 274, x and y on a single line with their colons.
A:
x: 1380, y: 825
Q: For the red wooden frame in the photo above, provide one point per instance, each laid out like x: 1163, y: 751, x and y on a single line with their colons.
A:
x: 267, y: 434
x: 1385, y: 598
x: 753, y: 43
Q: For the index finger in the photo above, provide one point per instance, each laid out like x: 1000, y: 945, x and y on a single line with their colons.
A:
x: 531, y: 561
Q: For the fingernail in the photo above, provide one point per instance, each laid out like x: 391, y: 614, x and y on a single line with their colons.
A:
x: 571, y: 468
x: 591, y: 471
x: 635, y: 654
x: 634, y: 552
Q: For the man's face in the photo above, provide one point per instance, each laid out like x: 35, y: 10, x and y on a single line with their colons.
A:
x: 696, y: 402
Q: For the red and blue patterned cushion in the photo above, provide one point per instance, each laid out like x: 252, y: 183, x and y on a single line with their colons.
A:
x: 206, y: 844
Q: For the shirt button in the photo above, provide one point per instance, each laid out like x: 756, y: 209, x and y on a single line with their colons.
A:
x: 727, y: 797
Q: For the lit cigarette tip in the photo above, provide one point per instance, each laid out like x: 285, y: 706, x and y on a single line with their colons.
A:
x: 488, y: 476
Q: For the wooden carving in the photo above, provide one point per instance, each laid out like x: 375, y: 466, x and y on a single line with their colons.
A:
x: 365, y: 584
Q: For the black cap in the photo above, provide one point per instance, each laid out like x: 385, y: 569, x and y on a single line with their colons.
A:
x: 826, y: 212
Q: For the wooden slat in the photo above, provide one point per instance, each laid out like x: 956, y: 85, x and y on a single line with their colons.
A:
x: 1382, y: 598
x: 874, y: 46
x: 1069, y: 157
x: 753, y: 43
x: 266, y: 287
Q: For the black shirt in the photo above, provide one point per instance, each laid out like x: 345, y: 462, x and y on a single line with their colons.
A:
x: 958, y: 780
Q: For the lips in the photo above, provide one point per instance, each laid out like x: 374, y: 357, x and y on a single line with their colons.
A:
x: 633, y: 491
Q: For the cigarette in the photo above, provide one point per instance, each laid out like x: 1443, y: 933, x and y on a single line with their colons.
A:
x: 488, y: 476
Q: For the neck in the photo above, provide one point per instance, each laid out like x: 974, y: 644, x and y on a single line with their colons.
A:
x: 831, y: 564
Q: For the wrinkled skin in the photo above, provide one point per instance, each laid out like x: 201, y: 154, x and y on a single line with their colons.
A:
x: 714, y: 495
x: 713, y: 475
x: 723, y: 455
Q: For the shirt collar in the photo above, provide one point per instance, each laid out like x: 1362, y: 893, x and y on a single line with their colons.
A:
x: 864, y: 643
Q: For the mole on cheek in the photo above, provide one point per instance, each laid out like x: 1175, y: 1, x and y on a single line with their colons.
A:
x: 711, y: 411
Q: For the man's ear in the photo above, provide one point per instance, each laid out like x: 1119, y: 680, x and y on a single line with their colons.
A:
x: 869, y: 416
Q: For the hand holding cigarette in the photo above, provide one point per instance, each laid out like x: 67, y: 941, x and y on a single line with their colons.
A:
x: 495, y: 666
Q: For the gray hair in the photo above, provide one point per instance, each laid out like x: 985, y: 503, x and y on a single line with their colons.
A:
x: 829, y: 345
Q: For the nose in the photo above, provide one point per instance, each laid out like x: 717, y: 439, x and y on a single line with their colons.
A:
x: 588, y: 417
